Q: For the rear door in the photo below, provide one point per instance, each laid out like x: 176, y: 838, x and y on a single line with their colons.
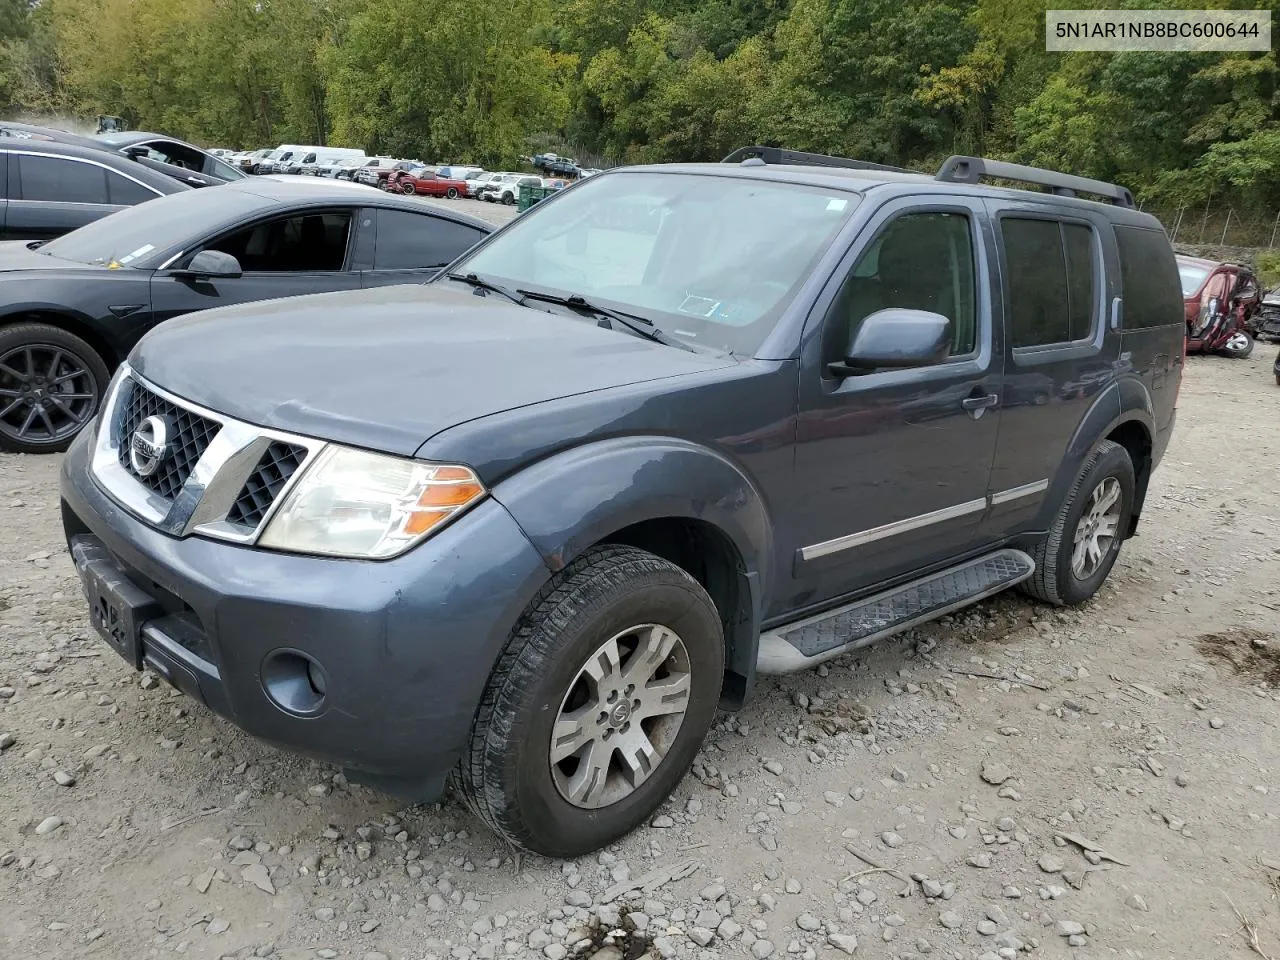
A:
x: 283, y: 256
x: 52, y: 195
x: 411, y: 247
x: 1058, y: 277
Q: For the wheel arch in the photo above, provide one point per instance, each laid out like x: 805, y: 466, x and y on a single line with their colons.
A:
x: 71, y: 322
x: 1125, y: 414
x: 679, y: 500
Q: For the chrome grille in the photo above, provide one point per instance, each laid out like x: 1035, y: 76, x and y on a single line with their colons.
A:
x: 190, y: 435
x: 278, y: 463
x: 219, y: 477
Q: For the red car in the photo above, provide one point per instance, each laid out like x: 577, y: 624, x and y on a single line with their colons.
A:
x: 428, y: 183
x: 1219, y: 302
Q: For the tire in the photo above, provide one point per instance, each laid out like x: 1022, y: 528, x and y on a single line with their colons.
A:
x: 408, y: 189
x: 1244, y: 345
x: 452, y: 193
x: 507, y: 775
x: 77, y: 397
x: 508, y: 198
x: 1055, y: 581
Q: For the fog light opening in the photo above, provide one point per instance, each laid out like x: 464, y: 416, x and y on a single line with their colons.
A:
x: 295, y: 682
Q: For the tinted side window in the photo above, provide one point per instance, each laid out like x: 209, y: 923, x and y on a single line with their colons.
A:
x: 1082, y: 281
x: 415, y: 241
x: 125, y: 192
x: 920, y: 261
x: 1152, y: 290
x: 1036, y: 282
x: 313, y: 243
x: 62, y: 179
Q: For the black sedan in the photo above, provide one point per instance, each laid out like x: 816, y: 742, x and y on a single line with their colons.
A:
x: 48, y: 188
x: 200, y: 164
x: 72, y: 308
x: 173, y: 158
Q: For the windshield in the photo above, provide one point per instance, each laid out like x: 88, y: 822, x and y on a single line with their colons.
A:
x: 136, y: 236
x: 1191, y: 277
x: 711, y: 260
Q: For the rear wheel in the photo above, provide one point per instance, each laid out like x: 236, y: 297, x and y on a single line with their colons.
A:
x: 597, y: 705
x: 508, y: 198
x: 1073, y: 561
x: 51, y: 383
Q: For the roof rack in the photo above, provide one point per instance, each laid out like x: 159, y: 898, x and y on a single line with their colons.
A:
x: 777, y: 156
x: 973, y: 169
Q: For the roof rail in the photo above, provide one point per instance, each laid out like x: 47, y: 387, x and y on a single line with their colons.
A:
x: 973, y: 169
x: 778, y: 156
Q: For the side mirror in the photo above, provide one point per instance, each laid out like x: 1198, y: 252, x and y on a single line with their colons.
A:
x: 895, y: 338
x: 210, y: 265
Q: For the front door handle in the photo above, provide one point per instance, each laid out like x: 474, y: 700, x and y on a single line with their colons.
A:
x: 980, y: 403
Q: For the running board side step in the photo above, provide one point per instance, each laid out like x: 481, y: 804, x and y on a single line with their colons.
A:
x: 807, y: 643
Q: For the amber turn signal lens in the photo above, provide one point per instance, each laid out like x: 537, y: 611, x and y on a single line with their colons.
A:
x: 420, y: 521
x: 440, y: 494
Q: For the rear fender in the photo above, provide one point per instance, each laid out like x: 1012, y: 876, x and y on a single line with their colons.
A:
x: 1125, y: 400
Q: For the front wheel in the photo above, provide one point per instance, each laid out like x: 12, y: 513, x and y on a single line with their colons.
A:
x: 452, y: 193
x: 597, y: 705
x: 1074, y: 559
x: 508, y: 198
x: 1239, y: 345
x: 408, y: 189
x: 51, y: 383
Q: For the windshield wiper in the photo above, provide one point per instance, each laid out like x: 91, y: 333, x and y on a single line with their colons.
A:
x: 474, y: 280
x: 641, y: 326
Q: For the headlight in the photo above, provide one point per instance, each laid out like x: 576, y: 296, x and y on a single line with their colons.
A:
x: 350, y: 503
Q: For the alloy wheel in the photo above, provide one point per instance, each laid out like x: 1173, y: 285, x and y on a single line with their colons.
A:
x: 47, y: 393
x: 620, y: 716
x: 1097, y: 528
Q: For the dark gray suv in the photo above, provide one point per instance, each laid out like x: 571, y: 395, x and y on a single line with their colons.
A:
x: 533, y: 522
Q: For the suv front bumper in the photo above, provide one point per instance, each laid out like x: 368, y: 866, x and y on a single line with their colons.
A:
x: 404, y: 647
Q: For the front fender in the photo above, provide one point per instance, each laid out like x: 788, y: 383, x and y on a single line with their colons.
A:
x: 570, y: 501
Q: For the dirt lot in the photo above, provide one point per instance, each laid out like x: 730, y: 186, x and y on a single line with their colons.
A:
x: 1095, y: 782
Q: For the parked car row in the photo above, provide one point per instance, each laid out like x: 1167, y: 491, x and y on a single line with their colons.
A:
x: 72, y: 308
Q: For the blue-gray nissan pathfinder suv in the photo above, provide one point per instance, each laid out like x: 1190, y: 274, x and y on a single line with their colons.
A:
x: 532, y: 522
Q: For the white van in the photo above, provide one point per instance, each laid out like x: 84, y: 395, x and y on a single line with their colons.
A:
x: 280, y: 158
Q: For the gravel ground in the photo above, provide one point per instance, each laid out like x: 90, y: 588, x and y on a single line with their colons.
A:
x: 1086, y: 783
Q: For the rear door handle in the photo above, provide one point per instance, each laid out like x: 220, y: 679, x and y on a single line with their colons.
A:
x: 980, y: 403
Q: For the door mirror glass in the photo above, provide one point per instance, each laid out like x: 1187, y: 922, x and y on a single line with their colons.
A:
x: 897, y: 337
x: 211, y: 264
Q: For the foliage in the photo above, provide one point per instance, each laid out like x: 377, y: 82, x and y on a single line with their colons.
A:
x: 1267, y: 264
x: 898, y: 81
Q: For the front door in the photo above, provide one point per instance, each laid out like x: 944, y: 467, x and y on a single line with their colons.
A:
x: 892, y: 466
x: 303, y: 252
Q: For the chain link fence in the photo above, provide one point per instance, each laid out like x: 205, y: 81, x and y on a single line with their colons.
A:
x: 1219, y: 225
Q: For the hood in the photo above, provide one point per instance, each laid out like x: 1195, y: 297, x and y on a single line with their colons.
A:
x: 16, y: 258
x: 387, y: 369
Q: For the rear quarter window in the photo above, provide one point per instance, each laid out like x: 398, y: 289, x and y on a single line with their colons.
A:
x: 1149, y: 275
